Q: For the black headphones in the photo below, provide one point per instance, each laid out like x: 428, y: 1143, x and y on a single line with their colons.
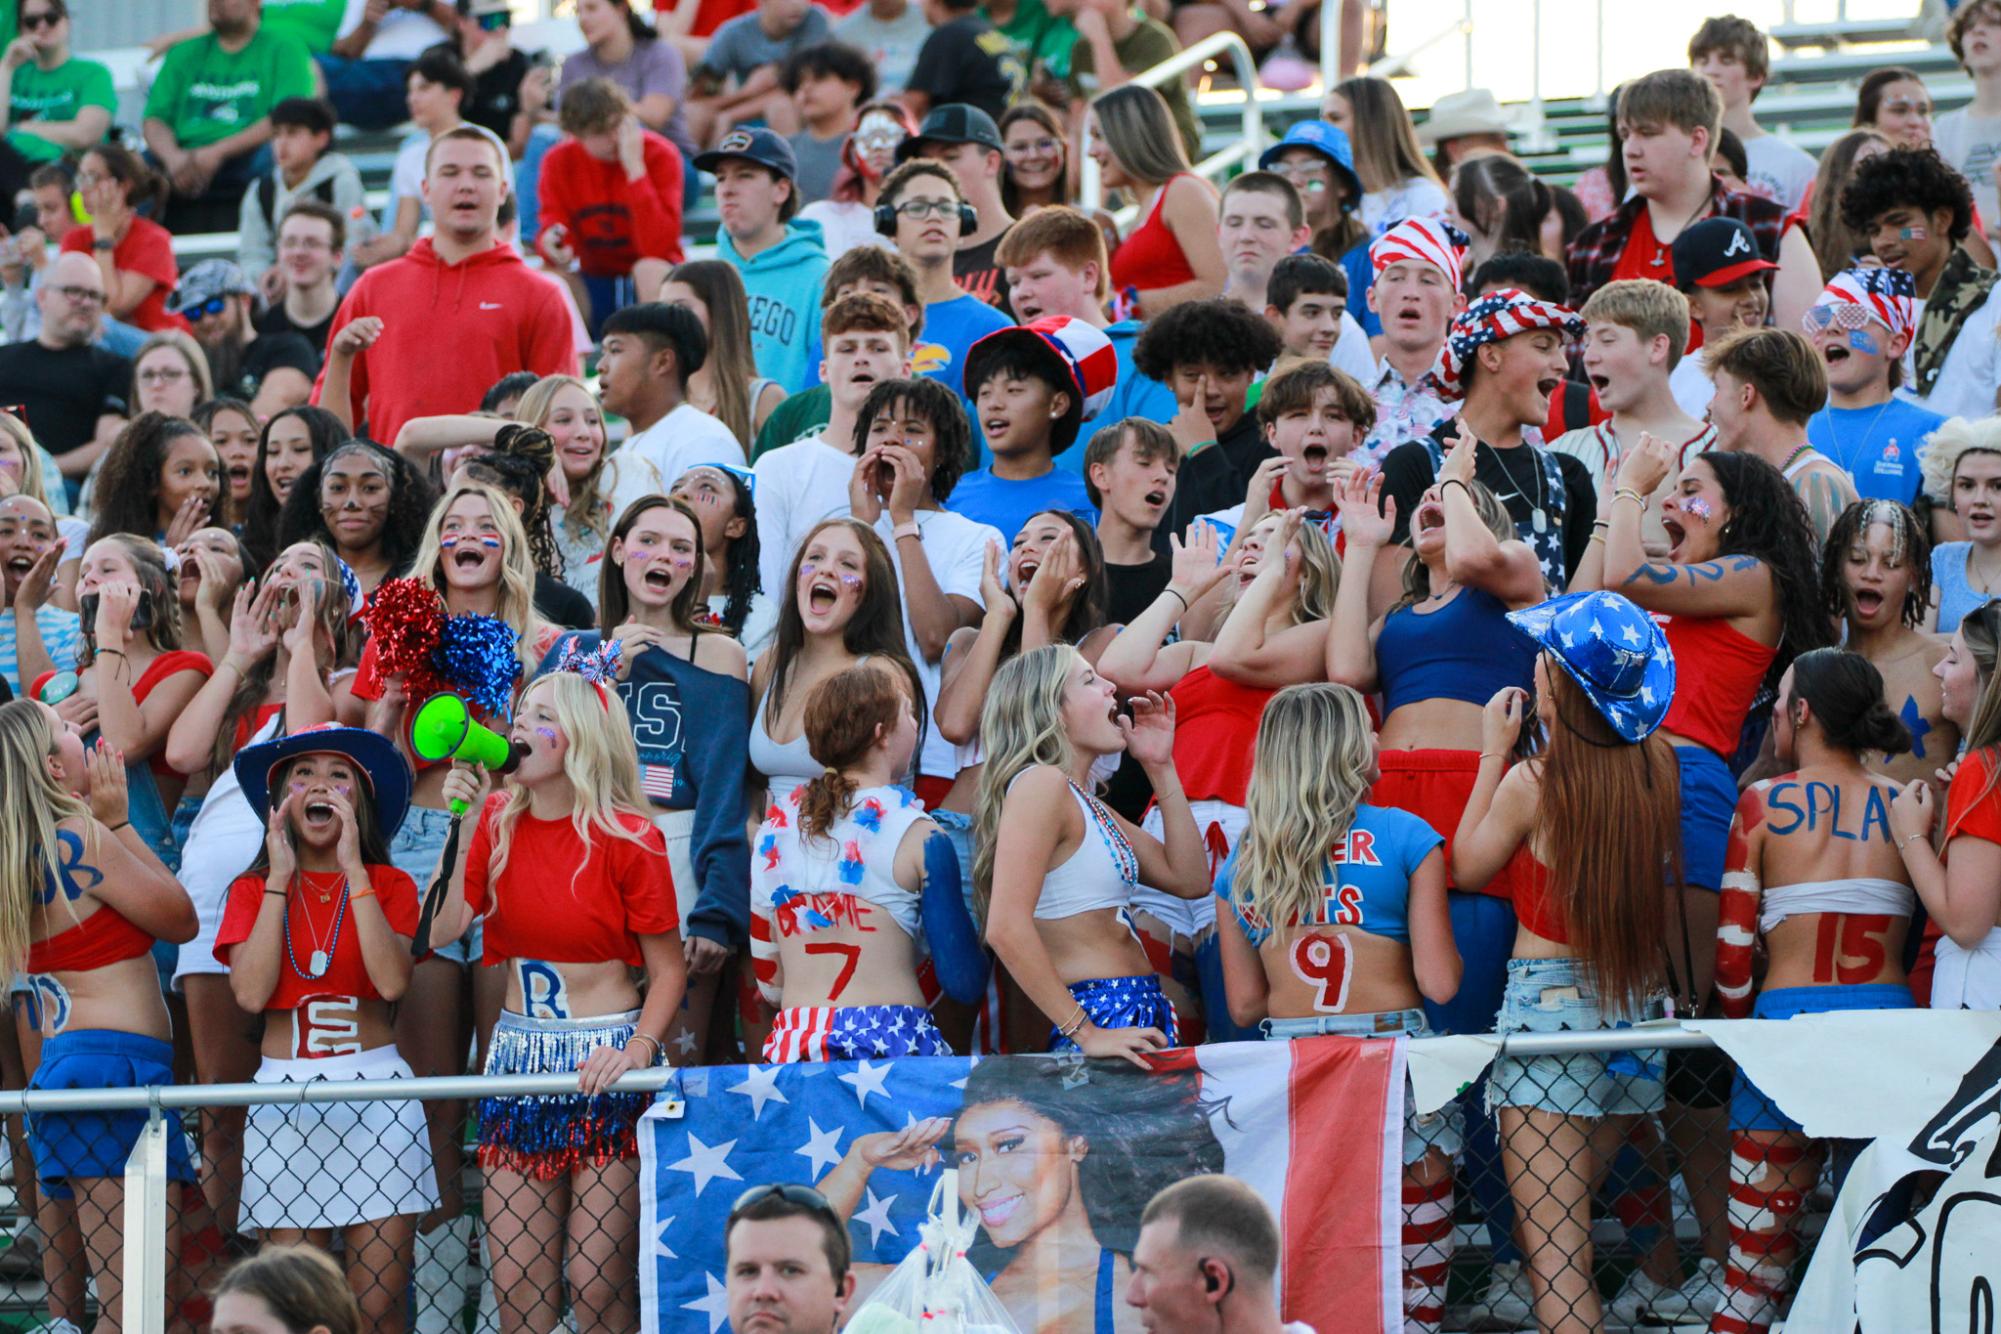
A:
x: 885, y: 219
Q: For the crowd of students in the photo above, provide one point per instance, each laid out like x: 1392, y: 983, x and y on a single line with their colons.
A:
x: 1355, y: 601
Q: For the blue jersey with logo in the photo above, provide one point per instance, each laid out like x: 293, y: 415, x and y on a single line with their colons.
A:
x: 1878, y: 447
x: 1365, y: 880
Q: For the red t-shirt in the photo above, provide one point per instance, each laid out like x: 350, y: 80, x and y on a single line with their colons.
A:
x: 312, y: 928
x: 148, y: 250
x: 612, y: 222
x: 563, y: 901
x: 1970, y: 810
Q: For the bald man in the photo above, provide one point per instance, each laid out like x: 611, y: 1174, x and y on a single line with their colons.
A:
x: 71, y: 394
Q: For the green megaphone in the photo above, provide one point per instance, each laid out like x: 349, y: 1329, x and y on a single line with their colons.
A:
x: 443, y: 729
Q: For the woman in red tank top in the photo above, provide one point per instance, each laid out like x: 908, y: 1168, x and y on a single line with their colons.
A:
x: 1739, y: 598
x: 1173, y: 255
x: 86, y: 898
x: 1277, y: 590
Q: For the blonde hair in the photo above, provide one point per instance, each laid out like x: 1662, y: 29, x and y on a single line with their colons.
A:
x: 1021, y: 727
x: 1310, y: 774
x: 191, y: 352
x: 1939, y: 459
x: 1650, y: 309
x: 588, y: 512
x: 36, y: 804
x: 1319, y: 574
x: 32, y: 485
x: 602, y: 765
x: 517, y: 563
x: 149, y: 563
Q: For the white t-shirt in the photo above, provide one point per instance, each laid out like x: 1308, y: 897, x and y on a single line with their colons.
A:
x: 1779, y: 170
x: 401, y: 34
x: 844, y: 225
x: 798, y: 485
x: 1967, y: 382
x: 1352, y: 352
x: 650, y: 462
x: 1418, y: 197
x: 406, y: 177
x: 1971, y: 145
x: 891, y: 44
x: 1691, y: 386
x: 956, y: 547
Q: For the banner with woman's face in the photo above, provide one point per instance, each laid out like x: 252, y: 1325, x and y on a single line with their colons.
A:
x: 1056, y: 1157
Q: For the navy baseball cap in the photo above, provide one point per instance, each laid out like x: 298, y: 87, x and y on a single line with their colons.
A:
x: 953, y: 123
x: 762, y: 146
x: 1715, y: 253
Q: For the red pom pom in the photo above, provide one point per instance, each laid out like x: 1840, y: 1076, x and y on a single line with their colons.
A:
x: 405, y: 618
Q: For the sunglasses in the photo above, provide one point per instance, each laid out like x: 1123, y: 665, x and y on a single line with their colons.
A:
x: 215, y: 305
x: 1845, y: 316
x: 495, y: 21
x: 803, y: 1196
x: 48, y: 18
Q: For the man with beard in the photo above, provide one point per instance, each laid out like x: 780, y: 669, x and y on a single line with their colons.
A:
x: 270, y: 373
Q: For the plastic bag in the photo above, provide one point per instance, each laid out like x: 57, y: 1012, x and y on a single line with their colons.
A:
x: 936, y: 1288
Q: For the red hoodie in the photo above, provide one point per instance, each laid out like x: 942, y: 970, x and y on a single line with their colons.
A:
x: 448, y: 332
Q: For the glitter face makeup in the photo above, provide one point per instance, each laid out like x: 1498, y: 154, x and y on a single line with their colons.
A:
x: 1865, y: 342
x: 548, y: 734
x: 1699, y: 508
x: 851, y: 580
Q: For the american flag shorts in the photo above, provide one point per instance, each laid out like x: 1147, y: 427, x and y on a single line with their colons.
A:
x: 852, y: 1033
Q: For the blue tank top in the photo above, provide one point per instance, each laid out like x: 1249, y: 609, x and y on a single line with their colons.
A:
x: 1466, y: 650
x: 1365, y: 880
x: 1956, y: 597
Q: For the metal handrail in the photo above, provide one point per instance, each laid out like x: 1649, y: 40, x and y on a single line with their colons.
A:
x: 181, y: 1097
x: 1092, y: 192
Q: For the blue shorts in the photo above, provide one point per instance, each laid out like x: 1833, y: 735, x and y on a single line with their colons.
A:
x: 1443, y: 1129
x: 1556, y: 996
x: 1750, y: 1109
x: 1122, y: 1002
x: 415, y: 851
x: 96, y: 1144
x: 1708, y: 802
x: 852, y: 1033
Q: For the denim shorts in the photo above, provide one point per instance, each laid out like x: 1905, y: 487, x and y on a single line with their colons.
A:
x: 1443, y: 1129
x: 1556, y: 996
x: 415, y: 851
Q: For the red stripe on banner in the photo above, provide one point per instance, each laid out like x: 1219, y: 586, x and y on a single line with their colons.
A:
x: 1342, y: 1257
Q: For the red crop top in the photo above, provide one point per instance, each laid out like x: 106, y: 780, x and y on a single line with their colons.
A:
x: 313, y: 927
x: 1151, y: 257
x: 563, y: 901
x: 170, y: 663
x: 1533, y: 908
x: 1215, y: 735
x: 1718, y: 669
x: 98, y: 941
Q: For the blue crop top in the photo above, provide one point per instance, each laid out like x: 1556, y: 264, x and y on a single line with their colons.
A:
x: 1365, y: 880
x: 1466, y: 650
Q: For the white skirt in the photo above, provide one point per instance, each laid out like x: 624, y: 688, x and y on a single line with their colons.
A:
x: 1221, y: 825
x: 1965, y: 979
x: 335, y: 1164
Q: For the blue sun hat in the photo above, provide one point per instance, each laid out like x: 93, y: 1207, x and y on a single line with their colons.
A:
x: 1330, y: 141
x: 382, y: 766
x: 1613, y: 650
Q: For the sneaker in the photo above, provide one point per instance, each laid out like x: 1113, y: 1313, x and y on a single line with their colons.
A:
x: 1506, y: 1304
x: 1695, y: 1301
x: 1642, y: 1301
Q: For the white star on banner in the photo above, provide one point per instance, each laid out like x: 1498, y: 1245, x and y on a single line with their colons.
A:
x: 760, y: 1085
x: 706, y: 1163
x: 876, y: 1218
x: 867, y: 1079
x: 823, y: 1147
x: 661, y: 1250
x: 715, y: 1303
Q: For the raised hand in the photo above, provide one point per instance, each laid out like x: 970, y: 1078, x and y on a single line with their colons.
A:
x: 1060, y: 576
x: 104, y: 769
x: 357, y: 336
x: 1644, y: 466
x: 253, y: 625
x: 1460, y: 456
x: 1913, y: 812
x: 278, y: 847
x: 993, y: 588
x: 911, y: 1149
x: 1367, y: 517
x: 1150, y: 730
x: 117, y: 601
x: 1501, y: 721
x: 1196, y: 563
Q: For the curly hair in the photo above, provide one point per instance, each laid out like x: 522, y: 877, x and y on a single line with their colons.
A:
x: 952, y: 434
x: 1767, y: 521
x: 410, y: 501
x: 1913, y: 177
x: 324, y: 432
x: 1225, y: 335
x: 1910, y: 549
x: 1141, y: 1131
x: 128, y: 483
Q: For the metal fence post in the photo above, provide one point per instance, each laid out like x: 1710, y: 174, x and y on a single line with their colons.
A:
x: 145, y: 1250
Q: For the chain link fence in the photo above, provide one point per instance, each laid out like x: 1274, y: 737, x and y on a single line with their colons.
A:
x: 1589, y: 1197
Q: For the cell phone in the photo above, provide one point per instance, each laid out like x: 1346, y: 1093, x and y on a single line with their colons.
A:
x: 142, y: 616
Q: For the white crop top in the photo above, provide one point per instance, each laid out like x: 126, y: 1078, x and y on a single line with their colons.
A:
x: 810, y: 879
x: 1860, y: 894
x: 786, y: 764
x: 1101, y: 873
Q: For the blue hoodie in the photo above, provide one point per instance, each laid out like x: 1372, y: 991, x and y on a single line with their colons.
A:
x: 783, y: 285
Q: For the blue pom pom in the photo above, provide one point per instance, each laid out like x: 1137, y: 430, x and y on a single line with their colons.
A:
x: 475, y: 656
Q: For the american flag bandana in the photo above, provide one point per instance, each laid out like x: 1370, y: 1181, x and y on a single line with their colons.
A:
x: 1430, y: 241
x: 1889, y: 295
x: 1499, y: 315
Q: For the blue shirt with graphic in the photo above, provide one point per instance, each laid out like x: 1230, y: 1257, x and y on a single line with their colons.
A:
x: 1879, y: 446
x: 1365, y: 878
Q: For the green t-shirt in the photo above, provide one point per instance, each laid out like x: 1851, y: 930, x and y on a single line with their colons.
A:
x: 1038, y: 36
x: 800, y: 415
x: 205, y: 93
x: 57, y: 94
x: 1143, y: 48
x: 314, y: 22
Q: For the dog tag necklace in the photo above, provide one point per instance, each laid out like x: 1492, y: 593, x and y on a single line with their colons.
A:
x: 322, y: 958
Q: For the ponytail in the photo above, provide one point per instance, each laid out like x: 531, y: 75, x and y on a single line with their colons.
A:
x: 1845, y: 692
x: 847, y: 716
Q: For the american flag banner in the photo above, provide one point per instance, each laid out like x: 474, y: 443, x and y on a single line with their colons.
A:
x: 1057, y: 1157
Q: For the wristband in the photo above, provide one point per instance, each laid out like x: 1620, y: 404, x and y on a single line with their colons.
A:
x: 357, y: 895
x: 648, y: 1037
x: 114, y: 828
x: 1171, y: 592
x: 1912, y: 839
x: 1455, y: 481
x: 1074, y: 1025
x: 1628, y: 493
x: 1601, y: 523
x: 112, y: 653
x: 903, y: 530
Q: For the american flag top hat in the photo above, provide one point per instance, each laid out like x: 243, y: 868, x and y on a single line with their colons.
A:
x: 1082, y: 349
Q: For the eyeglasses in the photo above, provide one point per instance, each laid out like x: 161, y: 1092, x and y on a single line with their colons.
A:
x: 164, y: 375
x: 928, y: 208
x: 1899, y: 107
x: 1844, y: 315
x: 215, y: 305
x: 303, y: 243
x: 83, y: 296
x: 47, y: 18
x: 803, y: 1196
x: 1312, y: 180
x: 1028, y: 146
